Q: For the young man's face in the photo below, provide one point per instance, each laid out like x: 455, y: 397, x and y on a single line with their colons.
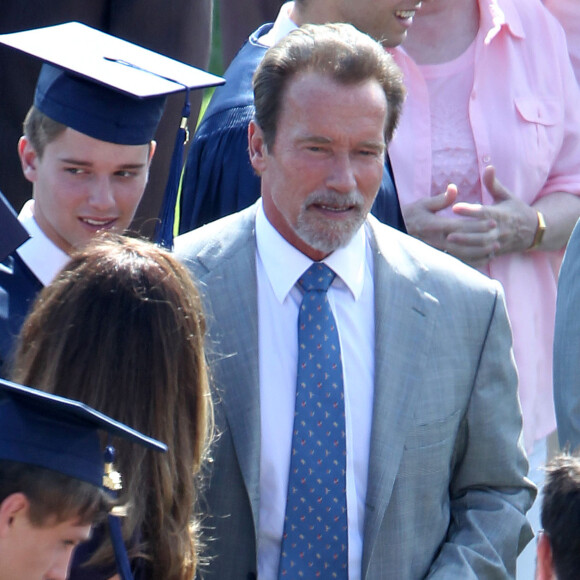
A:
x: 83, y: 185
x: 29, y: 552
x: 321, y: 176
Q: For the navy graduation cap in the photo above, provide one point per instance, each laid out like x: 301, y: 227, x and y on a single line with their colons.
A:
x: 56, y: 433
x: 111, y: 90
x: 62, y: 435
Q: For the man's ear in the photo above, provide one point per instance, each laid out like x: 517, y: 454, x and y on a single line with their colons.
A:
x: 28, y: 158
x: 15, y: 505
x: 257, y: 147
x: 544, y: 565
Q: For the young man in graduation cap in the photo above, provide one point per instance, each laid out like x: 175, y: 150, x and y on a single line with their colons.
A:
x: 86, y: 149
x: 52, y: 478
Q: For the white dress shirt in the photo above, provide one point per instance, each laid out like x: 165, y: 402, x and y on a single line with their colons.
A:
x: 283, y: 25
x: 351, y: 296
x: 39, y: 253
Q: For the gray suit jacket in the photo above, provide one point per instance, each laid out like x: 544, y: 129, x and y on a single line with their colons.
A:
x: 567, y: 346
x: 446, y: 490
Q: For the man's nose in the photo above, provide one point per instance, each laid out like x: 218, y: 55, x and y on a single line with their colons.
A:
x: 102, y: 195
x: 342, y: 175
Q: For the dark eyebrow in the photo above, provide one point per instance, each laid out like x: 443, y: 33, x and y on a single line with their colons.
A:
x: 314, y: 139
x: 376, y: 145
x: 82, y: 163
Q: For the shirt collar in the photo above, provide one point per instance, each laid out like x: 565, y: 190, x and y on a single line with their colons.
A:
x: 495, y: 14
x: 39, y: 253
x: 348, y: 263
x: 282, y: 26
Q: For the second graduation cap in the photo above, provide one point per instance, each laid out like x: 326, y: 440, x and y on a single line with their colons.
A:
x: 62, y: 435
x: 57, y: 433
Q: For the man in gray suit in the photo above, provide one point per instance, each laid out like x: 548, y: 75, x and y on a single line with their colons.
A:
x: 567, y: 347
x: 435, y: 472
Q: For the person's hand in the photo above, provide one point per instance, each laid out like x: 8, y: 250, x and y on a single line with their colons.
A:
x: 516, y: 220
x: 478, y: 239
x: 422, y: 221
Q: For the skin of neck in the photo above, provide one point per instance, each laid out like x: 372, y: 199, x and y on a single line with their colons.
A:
x: 314, y: 12
x: 442, y: 30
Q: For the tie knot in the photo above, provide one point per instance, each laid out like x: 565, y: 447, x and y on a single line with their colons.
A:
x: 318, y: 277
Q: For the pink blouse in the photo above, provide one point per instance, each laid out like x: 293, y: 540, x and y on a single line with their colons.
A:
x: 524, y: 115
x: 453, y: 154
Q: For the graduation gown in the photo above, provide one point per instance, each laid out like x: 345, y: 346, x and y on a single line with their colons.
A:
x: 18, y: 289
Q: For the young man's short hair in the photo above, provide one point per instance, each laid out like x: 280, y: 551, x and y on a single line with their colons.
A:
x: 41, y: 130
x: 53, y: 496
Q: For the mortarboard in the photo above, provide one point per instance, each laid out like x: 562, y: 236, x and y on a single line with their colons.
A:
x: 12, y: 233
x: 109, y: 88
x: 56, y: 433
x: 62, y: 435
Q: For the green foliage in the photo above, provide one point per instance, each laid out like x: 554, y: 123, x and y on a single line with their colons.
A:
x: 215, y: 63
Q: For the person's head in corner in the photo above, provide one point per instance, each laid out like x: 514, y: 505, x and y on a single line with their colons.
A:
x: 44, y: 516
x: 558, y: 548
x: 52, y: 479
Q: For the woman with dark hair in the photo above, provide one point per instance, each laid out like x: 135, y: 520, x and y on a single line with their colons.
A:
x: 121, y: 329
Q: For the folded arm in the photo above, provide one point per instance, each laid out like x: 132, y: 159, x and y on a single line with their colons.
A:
x: 477, y: 232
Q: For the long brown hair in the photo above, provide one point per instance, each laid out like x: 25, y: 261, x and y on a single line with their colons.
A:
x: 122, y: 329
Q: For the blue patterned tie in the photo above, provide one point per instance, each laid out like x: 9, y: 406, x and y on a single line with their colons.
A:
x: 315, y: 542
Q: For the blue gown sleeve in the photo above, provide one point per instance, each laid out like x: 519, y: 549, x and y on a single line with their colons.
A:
x: 218, y: 178
x: 387, y: 207
x: 18, y: 289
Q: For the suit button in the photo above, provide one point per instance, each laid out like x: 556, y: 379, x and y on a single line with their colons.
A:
x: 251, y: 576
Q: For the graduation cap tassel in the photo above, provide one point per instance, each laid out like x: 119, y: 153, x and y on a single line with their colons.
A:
x: 164, y: 228
x: 112, y: 481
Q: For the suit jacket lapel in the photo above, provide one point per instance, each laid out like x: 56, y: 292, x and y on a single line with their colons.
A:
x: 234, y: 308
x: 404, y: 323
